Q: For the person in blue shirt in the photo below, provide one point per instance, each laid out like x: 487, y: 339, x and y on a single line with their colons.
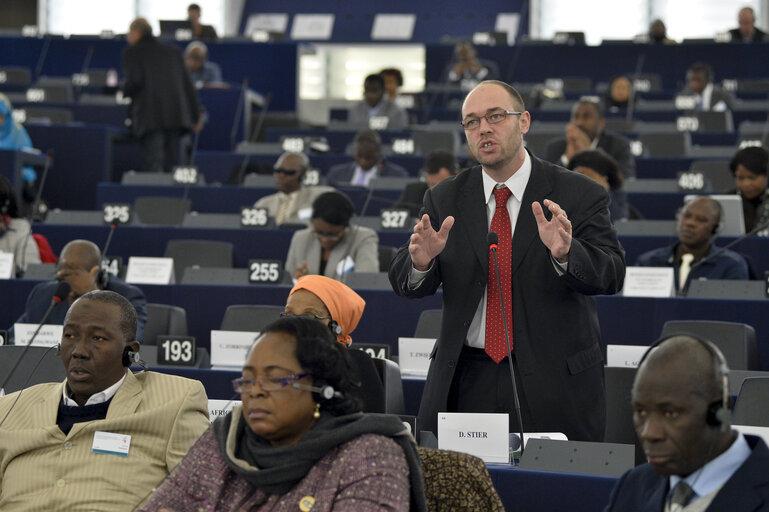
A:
x: 14, y: 136
x: 695, y: 256
x: 681, y: 415
x: 201, y: 70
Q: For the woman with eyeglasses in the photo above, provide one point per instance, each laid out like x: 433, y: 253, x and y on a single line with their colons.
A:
x: 330, y: 246
x: 340, y: 308
x: 299, y: 440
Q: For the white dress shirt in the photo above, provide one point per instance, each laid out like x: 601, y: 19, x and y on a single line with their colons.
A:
x: 96, y: 398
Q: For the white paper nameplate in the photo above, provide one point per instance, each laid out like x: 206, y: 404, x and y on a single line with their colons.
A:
x: 344, y: 266
x: 48, y: 336
x: 304, y: 214
x: 312, y: 26
x: 624, y: 356
x: 6, y: 265
x: 414, y: 355
x: 143, y: 270
x: 229, y: 348
x: 219, y: 408
x: 111, y: 444
x: 393, y: 26
x: 649, y: 282
x: 482, y: 435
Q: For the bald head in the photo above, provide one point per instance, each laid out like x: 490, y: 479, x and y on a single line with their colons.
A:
x: 82, y: 253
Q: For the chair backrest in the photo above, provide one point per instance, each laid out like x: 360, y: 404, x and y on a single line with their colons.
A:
x: 429, y: 324
x: 390, y: 373
x: 202, y: 358
x: 211, y: 220
x: 48, y: 362
x: 11, y: 75
x: 47, y: 115
x: 457, y: 481
x: 716, y: 172
x: 251, y: 318
x: 40, y: 271
x: 666, y: 145
x: 154, y: 178
x: 726, y: 289
x: 373, y: 391
x: 714, y: 121
x: 164, y: 319
x: 161, y: 211
x: 646, y: 227
x: 367, y: 280
x: 386, y: 255
x: 215, y: 275
x: 199, y: 253
x: 259, y: 180
x: 750, y: 408
x: 737, y: 341
x: 75, y: 217
x: 619, y: 410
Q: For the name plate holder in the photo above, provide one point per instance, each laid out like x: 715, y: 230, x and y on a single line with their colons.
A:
x: 602, y: 459
x: 649, y: 282
x: 6, y: 265
x: 142, y: 270
x: 479, y: 434
x: 49, y: 335
x: 414, y: 355
x: 230, y: 348
x: 624, y: 356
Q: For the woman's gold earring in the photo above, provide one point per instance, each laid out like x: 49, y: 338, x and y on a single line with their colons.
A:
x: 316, y: 414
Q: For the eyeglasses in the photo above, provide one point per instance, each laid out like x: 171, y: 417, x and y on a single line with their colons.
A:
x: 243, y: 385
x: 328, y: 236
x: 494, y: 117
x: 287, y: 172
x: 305, y: 315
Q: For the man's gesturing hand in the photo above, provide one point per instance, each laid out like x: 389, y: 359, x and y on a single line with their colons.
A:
x: 426, y: 243
x: 555, y: 233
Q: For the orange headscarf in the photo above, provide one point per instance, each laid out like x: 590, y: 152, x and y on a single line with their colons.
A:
x: 343, y: 304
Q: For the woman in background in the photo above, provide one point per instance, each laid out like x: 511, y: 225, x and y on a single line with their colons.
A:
x: 599, y: 166
x: 748, y: 167
x: 15, y: 232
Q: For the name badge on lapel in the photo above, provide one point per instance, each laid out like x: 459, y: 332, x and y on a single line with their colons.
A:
x: 110, y: 443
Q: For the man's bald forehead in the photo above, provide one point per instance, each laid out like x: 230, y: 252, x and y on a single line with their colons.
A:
x: 514, y: 96
x: 84, y: 251
x: 681, y: 356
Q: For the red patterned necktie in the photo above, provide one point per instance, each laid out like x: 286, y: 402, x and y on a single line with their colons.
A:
x: 496, y: 347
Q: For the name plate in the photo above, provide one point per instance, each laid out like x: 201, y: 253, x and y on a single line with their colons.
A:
x: 142, y: 270
x: 403, y: 146
x: 264, y: 271
x: 219, y: 408
x: 254, y: 217
x: 691, y: 180
x: 49, y: 335
x: 35, y: 95
x: 312, y: 26
x: 112, y: 265
x: 183, y: 34
x: 176, y: 350
x: 116, y: 213
x: 482, y: 435
x: 6, y: 265
x: 686, y: 102
x: 414, y: 355
x: 81, y: 79
x: 378, y: 122
x: 311, y: 178
x: 394, y: 218
x: 649, y: 282
x: 293, y: 144
x: 687, y: 124
x: 378, y: 350
x: 229, y: 348
x: 393, y: 26
x: 185, y: 175
x: 624, y: 356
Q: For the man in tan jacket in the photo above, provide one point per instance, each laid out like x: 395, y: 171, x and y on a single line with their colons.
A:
x: 103, y: 438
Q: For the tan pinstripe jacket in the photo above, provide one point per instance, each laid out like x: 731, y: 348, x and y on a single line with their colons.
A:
x: 42, y: 469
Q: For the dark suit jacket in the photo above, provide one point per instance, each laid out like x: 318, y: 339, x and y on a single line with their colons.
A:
x: 716, y: 96
x: 42, y: 294
x: 343, y: 173
x: 556, y: 338
x: 642, y: 490
x: 163, y: 97
x: 613, y: 143
x: 411, y: 198
x: 758, y: 35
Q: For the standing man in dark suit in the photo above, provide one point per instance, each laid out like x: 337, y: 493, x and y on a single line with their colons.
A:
x: 747, y: 32
x: 695, y: 461
x: 586, y: 131
x: 439, y: 165
x: 368, y: 163
x: 551, y: 261
x: 164, y: 102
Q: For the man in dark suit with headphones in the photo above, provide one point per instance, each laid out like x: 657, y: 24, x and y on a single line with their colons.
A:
x: 681, y: 414
x: 80, y: 266
x: 368, y: 163
x: 695, y: 255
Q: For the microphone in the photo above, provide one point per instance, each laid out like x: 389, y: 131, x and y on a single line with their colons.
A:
x: 326, y: 392
x: 62, y: 290
x: 493, y: 241
x: 731, y: 244
x: 33, y: 212
x: 636, y: 76
x: 43, y: 55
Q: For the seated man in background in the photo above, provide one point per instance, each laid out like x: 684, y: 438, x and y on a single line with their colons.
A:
x: 439, y: 165
x: 747, y: 32
x: 586, y: 131
x: 293, y: 202
x: 199, y: 31
x: 467, y: 70
x: 699, y: 80
x: 696, y: 462
x: 695, y: 255
x: 104, y: 438
x: 376, y: 105
x: 80, y: 266
x: 368, y: 163
x: 201, y: 70
x: 603, y: 169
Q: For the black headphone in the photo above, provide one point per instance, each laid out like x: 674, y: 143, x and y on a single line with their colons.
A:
x: 718, y: 413
x: 130, y: 357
